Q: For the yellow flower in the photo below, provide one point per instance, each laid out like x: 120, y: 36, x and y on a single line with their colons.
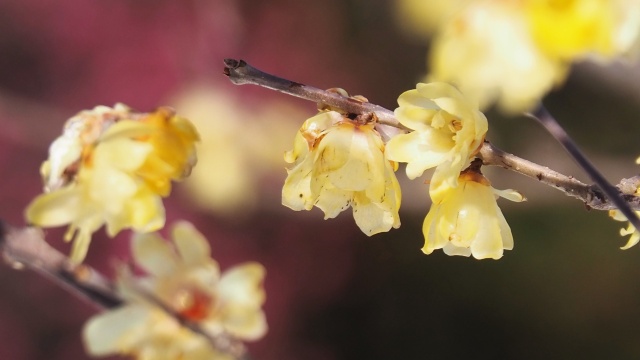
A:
x: 340, y: 163
x: 467, y: 221
x: 630, y: 230
x: 448, y: 130
x: 146, y: 333
x: 111, y: 166
x: 514, y: 51
x: 488, y: 52
x: 571, y: 29
x: 185, y: 279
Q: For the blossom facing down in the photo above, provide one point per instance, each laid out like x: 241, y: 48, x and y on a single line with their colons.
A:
x: 184, y: 278
x: 448, y: 131
x: 467, y: 221
x: 111, y: 167
x: 337, y: 163
x: 629, y: 230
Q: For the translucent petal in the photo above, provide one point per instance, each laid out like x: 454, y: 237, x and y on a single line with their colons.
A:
x: 488, y: 241
x: 115, y: 331
x: 154, y: 254
x: 371, y: 218
x: 244, y: 322
x: 510, y: 194
x: 437, y: 90
x: 296, y: 192
x: 414, y: 117
x: 334, y: 150
x: 414, y: 149
x: 242, y: 284
x: 192, y: 246
x: 55, y: 208
x: 358, y: 172
x: 332, y: 201
x: 452, y: 250
x: 415, y: 98
x: 122, y: 153
x: 433, y: 238
x: 126, y: 129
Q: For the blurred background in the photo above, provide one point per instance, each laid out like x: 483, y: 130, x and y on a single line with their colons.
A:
x: 565, y: 291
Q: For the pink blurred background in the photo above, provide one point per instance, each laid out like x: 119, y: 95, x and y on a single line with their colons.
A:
x: 565, y: 291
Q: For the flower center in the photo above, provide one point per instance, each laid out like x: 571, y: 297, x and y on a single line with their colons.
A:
x: 192, y: 303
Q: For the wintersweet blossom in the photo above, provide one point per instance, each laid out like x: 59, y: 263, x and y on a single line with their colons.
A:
x: 448, y: 130
x: 184, y: 277
x: 112, y: 166
x: 467, y: 221
x: 486, y: 49
x: 514, y: 52
x: 337, y: 163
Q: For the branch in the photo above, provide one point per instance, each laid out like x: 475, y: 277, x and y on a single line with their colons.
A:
x: 241, y: 73
x: 613, y: 194
x: 26, y: 248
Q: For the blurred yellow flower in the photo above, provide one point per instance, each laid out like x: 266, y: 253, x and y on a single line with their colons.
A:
x: 630, y: 230
x: 111, y: 166
x: 145, y: 333
x: 243, y: 136
x: 448, y: 131
x: 487, y: 51
x: 184, y: 278
x: 514, y: 51
x: 467, y: 221
x: 571, y: 29
x: 337, y: 163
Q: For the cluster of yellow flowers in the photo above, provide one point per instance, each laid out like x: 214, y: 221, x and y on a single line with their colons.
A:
x: 189, y: 283
x: 341, y: 161
x: 112, y: 166
x: 515, y: 51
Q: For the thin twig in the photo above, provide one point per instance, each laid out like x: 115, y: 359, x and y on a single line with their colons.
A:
x: 612, y: 193
x: 240, y: 73
x: 591, y: 195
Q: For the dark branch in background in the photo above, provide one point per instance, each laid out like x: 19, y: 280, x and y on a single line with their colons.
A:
x: 241, y: 73
x: 551, y: 124
x: 26, y: 248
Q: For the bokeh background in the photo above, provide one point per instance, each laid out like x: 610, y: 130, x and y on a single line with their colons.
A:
x: 565, y: 291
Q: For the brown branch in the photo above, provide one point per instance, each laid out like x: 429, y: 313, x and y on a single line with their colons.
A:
x: 27, y: 248
x: 241, y: 73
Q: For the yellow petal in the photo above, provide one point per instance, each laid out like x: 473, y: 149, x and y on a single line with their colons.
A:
x: 55, y: 208
x: 192, y: 246
x: 154, y: 254
x: 296, y: 192
x: 333, y: 201
x: 116, y: 331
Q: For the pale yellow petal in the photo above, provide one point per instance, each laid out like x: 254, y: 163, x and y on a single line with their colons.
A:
x: 154, y: 254
x: 193, y: 247
x: 372, y: 218
x: 242, y: 284
x: 115, y: 331
x: 56, y: 208
x: 244, y: 322
x: 296, y: 192
x: 333, y: 201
